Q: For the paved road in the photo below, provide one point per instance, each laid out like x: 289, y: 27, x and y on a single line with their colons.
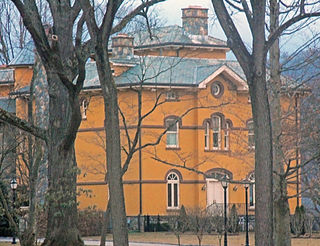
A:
x: 96, y: 242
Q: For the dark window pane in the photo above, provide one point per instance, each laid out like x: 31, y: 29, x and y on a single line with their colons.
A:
x: 215, y: 140
x: 251, y: 199
x: 169, y: 195
x: 175, y: 186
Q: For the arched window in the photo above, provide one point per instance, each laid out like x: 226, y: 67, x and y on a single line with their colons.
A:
x: 250, y: 127
x: 173, y: 190
x: 173, y: 132
x: 207, y: 136
x: 226, y: 136
x: 252, y: 190
x: 216, y: 129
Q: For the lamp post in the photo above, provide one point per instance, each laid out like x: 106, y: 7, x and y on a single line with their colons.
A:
x: 224, y: 183
x: 246, y: 186
x: 14, y: 186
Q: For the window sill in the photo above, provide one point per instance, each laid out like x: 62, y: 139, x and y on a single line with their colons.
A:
x: 217, y: 150
x: 173, y: 209
x: 172, y: 148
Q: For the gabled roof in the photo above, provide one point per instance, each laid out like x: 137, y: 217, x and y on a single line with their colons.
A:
x: 175, y: 35
x: 25, y: 56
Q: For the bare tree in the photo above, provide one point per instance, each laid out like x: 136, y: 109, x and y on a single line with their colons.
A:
x: 253, y: 64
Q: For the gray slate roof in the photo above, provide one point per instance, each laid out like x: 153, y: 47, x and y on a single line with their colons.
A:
x: 175, y: 35
x: 25, y: 56
x: 164, y: 71
x: 8, y: 104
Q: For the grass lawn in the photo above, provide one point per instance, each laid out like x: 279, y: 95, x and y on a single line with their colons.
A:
x: 233, y: 240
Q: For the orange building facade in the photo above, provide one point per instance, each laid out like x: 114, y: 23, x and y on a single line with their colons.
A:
x: 198, y: 110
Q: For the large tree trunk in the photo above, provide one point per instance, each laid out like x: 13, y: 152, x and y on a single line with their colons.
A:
x: 112, y: 129
x: 281, y: 214
x: 64, y: 121
x: 263, y: 161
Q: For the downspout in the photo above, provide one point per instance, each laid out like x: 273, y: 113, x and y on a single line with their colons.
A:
x: 140, y: 183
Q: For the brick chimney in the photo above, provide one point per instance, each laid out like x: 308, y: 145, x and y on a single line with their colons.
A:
x: 122, y: 46
x: 195, y: 20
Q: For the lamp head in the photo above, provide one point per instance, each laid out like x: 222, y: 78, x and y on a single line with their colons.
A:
x: 224, y: 182
x: 13, y: 184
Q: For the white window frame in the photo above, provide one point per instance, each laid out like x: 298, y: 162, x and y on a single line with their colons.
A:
x: 214, y: 131
x: 171, y: 95
x: 227, y: 136
x: 251, y: 144
x: 207, y: 136
x: 84, y: 108
x: 172, y: 132
x: 173, y: 179
x: 252, y: 192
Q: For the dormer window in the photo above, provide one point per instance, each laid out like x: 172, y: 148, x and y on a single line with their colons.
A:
x: 171, y: 96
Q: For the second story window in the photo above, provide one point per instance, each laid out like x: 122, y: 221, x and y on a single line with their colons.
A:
x: 226, y: 136
x: 171, y: 96
x: 216, y: 128
x: 172, y: 133
x: 84, y: 108
x: 250, y: 127
x: 206, y: 136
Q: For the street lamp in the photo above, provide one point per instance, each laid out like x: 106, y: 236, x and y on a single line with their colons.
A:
x: 224, y: 183
x: 14, y: 186
x: 246, y: 186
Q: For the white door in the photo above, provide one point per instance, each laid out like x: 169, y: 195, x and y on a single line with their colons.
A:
x: 214, y: 194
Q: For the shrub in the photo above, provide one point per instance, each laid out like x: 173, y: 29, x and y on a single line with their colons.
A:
x: 233, y: 220
x: 90, y: 222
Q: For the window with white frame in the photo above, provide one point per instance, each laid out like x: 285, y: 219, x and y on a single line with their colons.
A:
x: 172, y: 133
x: 216, y: 129
x: 206, y: 135
x: 84, y: 107
x: 171, y: 95
x: 250, y: 134
x: 226, y: 136
x: 252, y: 190
x: 172, y: 191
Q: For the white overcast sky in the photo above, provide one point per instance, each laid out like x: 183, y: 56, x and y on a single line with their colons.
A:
x: 171, y: 10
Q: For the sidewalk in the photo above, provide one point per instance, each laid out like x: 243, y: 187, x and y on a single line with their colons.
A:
x: 97, y: 242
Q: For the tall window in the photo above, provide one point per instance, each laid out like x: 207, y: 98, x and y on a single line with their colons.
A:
x: 172, y: 132
x: 250, y: 134
x: 173, y: 190
x: 226, y: 136
x: 216, y: 128
x: 252, y: 191
x: 207, y: 136
x: 84, y: 108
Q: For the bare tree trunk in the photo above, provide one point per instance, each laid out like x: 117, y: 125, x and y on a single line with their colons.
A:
x: 263, y: 161
x: 64, y: 120
x: 281, y: 214
x: 114, y: 169
x: 104, y: 228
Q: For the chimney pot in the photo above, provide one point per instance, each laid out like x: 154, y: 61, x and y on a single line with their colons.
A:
x: 195, y: 20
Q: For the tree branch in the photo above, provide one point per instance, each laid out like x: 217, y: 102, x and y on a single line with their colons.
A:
x: 22, y: 124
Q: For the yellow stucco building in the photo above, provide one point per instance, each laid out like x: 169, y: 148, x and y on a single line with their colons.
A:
x: 196, y: 105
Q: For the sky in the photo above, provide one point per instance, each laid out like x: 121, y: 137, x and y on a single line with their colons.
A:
x: 171, y: 10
